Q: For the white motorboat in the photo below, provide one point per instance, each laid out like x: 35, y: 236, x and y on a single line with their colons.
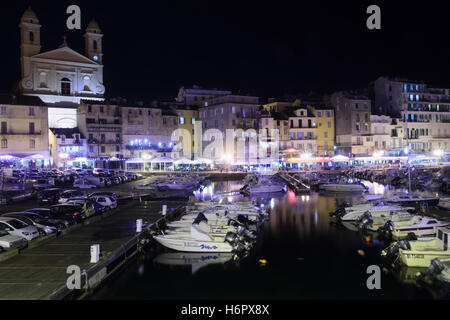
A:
x: 412, y: 199
x: 263, y: 184
x: 420, y: 252
x: 379, y: 223
x: 187, y: 244
x: 444, y: 203
x: 426, y: 226
x: 374, y: 211
x: 343, y: 187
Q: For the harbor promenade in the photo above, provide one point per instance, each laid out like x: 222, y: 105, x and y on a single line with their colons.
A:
x: 41, y: 272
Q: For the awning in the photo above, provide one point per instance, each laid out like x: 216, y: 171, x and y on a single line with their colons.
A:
x: 162, y: 159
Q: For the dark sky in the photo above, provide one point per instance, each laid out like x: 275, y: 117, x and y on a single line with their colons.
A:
x: 151, y: 48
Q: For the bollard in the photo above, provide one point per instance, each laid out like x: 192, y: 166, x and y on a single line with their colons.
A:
x: 95, y: 253
x: 164, y: 209
x: 139, y: 225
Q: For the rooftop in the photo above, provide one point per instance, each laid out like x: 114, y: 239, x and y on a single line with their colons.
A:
x: 21, y: 100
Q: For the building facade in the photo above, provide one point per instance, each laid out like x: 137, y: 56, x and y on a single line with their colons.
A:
x: 325, y: 129
x: 24, y: 129
x: 197, y: 96
x: 423, y: 110
x: 61, y: 75
x: 68, y: 147
x: 230, y: 112
x: 353, y: 134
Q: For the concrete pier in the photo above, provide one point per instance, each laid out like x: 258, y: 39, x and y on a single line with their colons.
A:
x: 41, y: 272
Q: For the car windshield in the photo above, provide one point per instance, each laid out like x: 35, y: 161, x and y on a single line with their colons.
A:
x: 17, y: 224
x: 3, y: 233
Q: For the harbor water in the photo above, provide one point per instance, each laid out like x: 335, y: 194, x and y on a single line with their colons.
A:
x: 301, y: 253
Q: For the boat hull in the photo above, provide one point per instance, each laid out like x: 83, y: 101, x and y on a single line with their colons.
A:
x: 421, y: 259
x: 342, y: 188
x: 189, y: 245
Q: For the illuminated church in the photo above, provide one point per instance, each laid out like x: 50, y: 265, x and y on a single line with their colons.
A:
x: 60, y: 77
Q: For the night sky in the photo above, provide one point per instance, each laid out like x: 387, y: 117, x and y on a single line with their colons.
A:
x: 151, y: 48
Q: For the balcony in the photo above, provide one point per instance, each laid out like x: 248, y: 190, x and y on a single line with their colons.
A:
x: 13, y: 132
x: 96, y: 141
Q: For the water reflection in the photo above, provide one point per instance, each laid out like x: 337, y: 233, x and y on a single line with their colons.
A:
x: 193, y: 259
x: 308, y: 257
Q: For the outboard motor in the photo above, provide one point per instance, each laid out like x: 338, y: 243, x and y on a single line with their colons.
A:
x: 234, y: 223
x: 411, y: 236
x: 433, y: 269
x: 242, y: 231
x: 338, y: 213
x: 392, y: 250
x: 387, y: 228
x: 244, y: 220
x: 200, y: 217
x: 364, y: 220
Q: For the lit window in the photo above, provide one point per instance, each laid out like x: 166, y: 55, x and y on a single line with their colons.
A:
x: 192, y: 121
x: 181, y: 120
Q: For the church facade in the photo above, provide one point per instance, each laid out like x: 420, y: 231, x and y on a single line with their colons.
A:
x: 60, y: 77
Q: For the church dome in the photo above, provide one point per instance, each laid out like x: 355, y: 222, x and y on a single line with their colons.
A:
x: 93, y: 26
x: 29, y: 14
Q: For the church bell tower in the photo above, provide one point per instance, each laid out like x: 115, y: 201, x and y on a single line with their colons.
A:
x: 93, y: 42
x: 30, y: 35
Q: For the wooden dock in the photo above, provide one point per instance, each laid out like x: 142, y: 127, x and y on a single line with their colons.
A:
x: 294, y: 184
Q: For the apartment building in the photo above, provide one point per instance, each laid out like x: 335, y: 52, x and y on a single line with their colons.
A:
x: 302, y: 131
x: 68, y: 147
x: 101, y: 123
x: 196, y: 96
x: 424, y: 112
x: 230, y: 112
x: 353, y: 134
x: 325, y: 128
x: 381, y: 133
x: 187, y: 115
x: 147, y: 131
x: 24, y: 129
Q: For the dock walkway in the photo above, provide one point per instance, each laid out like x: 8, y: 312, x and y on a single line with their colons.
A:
x: 40, y: 272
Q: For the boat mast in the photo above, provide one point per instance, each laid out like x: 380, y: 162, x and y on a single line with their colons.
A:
x: 407, y: 149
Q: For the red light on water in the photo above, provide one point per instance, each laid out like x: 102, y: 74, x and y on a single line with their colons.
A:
x: 291, y: 196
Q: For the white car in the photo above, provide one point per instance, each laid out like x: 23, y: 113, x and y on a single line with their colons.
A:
x: 83, y: 184
x: 10, y: 242
x: 66, y: 195
x: 18, y: 228
x: 105, y: 201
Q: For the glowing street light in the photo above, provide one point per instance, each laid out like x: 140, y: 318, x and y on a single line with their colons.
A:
x: 438, y: 153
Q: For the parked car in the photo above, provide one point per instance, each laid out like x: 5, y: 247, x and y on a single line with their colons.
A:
x: 16, y: 227
x: 104, y: 193
x: 108, y: 202
x: 10, y: 242
x: 50, y: 196
x: 83, y: 184
x: 44, y: 227
x: 73, y: 211
x: 66, y: 195
x: 44, y: 213
x: 86, y: 204
x: 45, y: 183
